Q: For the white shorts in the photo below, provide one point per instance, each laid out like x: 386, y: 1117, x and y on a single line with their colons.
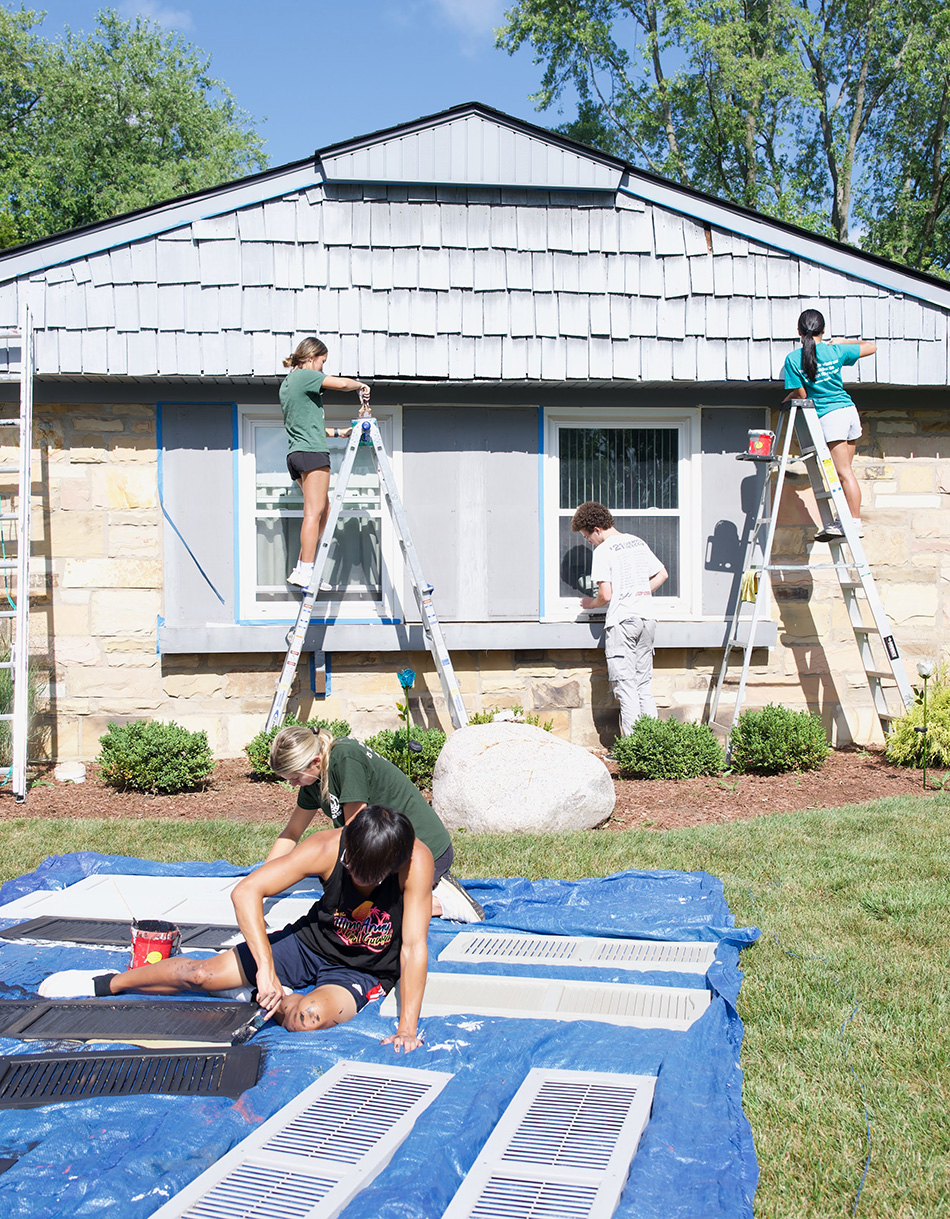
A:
x: 842, y: 424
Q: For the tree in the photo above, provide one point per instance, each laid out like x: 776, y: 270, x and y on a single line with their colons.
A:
x: 108, y: 123
x: 786, y: 106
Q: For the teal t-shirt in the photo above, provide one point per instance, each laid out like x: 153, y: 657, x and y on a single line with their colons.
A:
x: 827, y: 391
x: 301, y: 400
x: 357, y: 773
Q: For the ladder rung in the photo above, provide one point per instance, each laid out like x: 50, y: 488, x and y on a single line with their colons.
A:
x: 9, y: 516
x: 8, y: 613
x: 9, y: 422
x: 881, y: 674
x: 9, y: 469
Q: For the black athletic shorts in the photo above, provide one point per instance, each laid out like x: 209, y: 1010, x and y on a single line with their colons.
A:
x: 300, y: 968
x: 299, y: 463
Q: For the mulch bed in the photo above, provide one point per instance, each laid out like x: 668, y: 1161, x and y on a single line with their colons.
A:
x: 849, y: 776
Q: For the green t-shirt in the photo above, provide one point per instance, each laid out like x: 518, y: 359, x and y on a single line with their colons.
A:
x: 356, y: 773
x: 301, y: 400
x: 827, y: 391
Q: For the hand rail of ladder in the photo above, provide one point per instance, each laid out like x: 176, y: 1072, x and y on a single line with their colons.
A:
x: 366, y: 431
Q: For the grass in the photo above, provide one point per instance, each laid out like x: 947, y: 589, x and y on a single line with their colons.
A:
x: 846, y: 999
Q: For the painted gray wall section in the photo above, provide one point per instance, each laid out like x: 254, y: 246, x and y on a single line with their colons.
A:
x: 198, y: 495
x: 731, y: 491
x: 471, y: 150
x: 470, y: 479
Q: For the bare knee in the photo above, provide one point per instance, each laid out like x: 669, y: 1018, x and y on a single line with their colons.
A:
x: 194, y: 974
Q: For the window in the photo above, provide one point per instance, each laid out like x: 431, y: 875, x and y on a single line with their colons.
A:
x: 270, y: 509
x: 640, y: 466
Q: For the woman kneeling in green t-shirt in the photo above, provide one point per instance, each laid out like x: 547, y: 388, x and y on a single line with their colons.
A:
x: 340, y: 776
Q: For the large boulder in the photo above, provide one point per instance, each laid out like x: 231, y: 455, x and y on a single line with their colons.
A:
x: 509, y: 776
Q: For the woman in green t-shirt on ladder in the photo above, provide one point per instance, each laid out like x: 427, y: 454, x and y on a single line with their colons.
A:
x: 814, y: 371
x: 308, y: 458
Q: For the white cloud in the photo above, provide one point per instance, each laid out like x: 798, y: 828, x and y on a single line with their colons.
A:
x: 172, y: 18
x: 476, y: 21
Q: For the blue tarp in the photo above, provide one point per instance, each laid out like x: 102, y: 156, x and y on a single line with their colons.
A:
x: 129, y: 1156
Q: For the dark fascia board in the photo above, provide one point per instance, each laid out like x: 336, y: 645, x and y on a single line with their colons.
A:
x: 701, y: 200
x: 209, y: 192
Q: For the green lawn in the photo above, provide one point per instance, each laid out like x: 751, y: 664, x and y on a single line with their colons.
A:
x: 846, y: 999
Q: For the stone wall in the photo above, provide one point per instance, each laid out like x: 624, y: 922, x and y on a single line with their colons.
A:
x: 97, y: 593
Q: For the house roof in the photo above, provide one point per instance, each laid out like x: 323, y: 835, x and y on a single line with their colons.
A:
x: 471, y: 145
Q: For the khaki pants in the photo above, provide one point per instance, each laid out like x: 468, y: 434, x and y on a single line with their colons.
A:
x: 629, y: 650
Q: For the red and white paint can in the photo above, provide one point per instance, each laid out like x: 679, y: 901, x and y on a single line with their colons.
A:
x: 760, y: 442
x: 153, y: 940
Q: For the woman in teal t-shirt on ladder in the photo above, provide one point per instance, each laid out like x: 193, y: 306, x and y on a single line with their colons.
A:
x: 814, y: 371
x: 308, y: 458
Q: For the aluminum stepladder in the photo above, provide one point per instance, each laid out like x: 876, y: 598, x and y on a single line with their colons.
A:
x: 800, y: 421
x: 16, y: 607
x: 366, y: 432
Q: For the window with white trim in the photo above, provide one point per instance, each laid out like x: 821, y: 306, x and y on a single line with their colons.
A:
x: 642, y: 466
x: 270, y: 510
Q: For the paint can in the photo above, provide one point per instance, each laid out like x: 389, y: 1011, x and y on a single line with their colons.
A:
x: 153, y: 940
x: 760, y: 442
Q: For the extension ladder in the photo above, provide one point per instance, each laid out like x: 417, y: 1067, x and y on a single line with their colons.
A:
x: 366, y: 432
x: 18, y: 429
x: 800, y: 421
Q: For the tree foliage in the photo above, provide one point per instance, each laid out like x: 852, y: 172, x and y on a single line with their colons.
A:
x: 103, y: 124
x: 808, y: 110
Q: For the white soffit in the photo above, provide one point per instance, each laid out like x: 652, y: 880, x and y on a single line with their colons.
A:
x: 645, y: 1007
x: 679, y: 956
x: 561, y: 1149
x: 317, y: 1152
x: 470, y: 150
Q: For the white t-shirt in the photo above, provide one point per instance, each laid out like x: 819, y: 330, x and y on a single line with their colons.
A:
x: 627, y: 563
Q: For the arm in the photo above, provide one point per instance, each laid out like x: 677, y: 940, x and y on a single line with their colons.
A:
x: 658, y: 578
x: 315, y: 857
x: 414, y: 955
x: 864, y: 348
x: 291, y: 834
x: 604, y: 593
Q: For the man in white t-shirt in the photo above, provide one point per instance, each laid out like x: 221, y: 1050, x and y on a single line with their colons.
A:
x: 627, y: 573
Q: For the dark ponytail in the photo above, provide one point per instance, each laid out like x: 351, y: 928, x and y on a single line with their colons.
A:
x: 810, y: 325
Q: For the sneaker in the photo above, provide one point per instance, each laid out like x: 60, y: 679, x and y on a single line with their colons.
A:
x: 830, y: 533
x: 76, y: 984
x: 457, y: 905
x: 858, y: 528
x: 242, y: 993
x: 300, y: 576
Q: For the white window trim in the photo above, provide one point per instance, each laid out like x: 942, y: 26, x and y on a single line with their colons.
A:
x: 364, y: 609
x: 687, y: 422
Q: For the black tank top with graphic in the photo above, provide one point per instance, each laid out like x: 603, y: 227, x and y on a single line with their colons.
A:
x: 354, y: 931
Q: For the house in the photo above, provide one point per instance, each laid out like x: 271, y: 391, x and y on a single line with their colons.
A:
x: 541, y: 324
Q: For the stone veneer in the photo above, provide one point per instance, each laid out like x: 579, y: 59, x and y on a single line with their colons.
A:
x: 97, y: 592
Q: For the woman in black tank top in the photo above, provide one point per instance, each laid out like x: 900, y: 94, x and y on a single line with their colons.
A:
x: 372, y: 920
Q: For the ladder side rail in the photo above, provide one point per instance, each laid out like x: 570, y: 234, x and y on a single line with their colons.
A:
x: 21, y: 640
x: 305, y: 613
x: 758, y: 607
x: 875, y: 605
x: 731, y: 641
x: 420, y: 586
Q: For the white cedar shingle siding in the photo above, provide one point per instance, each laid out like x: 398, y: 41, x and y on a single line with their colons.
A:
x: 425, y: 284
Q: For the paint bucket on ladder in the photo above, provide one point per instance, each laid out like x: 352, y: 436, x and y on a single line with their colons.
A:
x: 153, y: 939
x: 760, y: 442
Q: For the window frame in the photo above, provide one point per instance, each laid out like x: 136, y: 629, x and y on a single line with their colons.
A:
x: 363, y: 608
x: 686, y: 421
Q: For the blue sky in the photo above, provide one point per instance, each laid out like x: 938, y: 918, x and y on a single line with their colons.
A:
x: 313, y: 72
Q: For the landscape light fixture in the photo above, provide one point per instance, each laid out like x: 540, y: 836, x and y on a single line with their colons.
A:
x: 925, y: 668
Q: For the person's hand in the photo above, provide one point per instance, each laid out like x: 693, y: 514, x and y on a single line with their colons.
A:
x: 587, y: 602
x: 403, y: 1041
x: 344, y: 432
x: 364, y: 399
x: 270, y: 993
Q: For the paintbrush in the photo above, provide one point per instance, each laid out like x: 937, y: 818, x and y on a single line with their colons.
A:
x: 254, y: 1025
